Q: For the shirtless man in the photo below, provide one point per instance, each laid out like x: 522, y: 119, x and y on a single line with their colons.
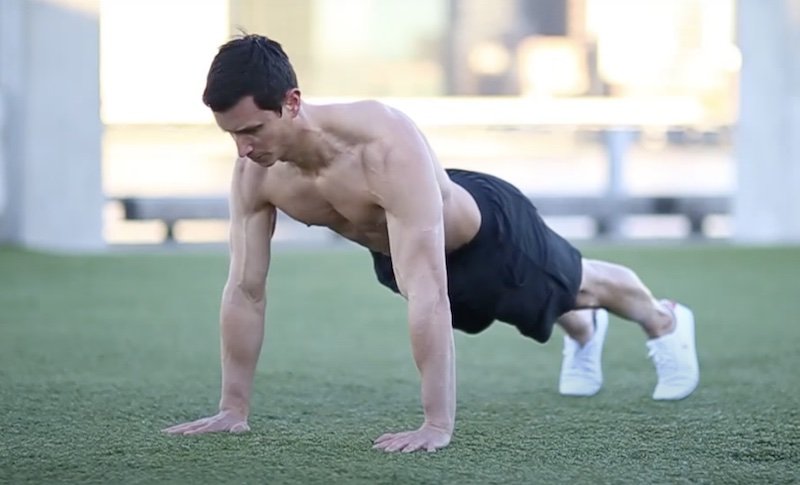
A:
x: 463, y: 248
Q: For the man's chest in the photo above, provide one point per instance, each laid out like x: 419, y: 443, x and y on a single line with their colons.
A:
x: 335, y: 199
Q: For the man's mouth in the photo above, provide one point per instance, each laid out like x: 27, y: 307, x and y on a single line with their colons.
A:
x: 263, y: 159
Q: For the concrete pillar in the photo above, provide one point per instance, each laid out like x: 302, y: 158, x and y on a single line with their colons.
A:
x: 49, y: 81
x: 11, y: 94
x: 767, y: 201
x: 3, y: 185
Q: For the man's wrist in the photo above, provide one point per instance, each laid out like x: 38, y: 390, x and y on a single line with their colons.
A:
x: 439, y: 425
x: 237, y: 409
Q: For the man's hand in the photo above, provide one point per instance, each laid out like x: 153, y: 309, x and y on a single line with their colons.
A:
x: 223, y: 421
x: 426, y: 438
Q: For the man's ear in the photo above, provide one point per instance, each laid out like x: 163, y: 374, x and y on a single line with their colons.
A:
x: 291, y: 102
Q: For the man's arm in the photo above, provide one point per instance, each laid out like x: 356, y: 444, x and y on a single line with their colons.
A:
x: 243, y: 303
x: 242, y: 308
x: 409, y: 192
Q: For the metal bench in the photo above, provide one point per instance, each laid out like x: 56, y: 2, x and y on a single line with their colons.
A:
x: 606, y: 211
x: 615, y: 119
x: 170, y: 210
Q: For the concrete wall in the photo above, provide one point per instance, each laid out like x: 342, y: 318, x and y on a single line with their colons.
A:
x: 50, y: 138
x: 157, y: 74
x: 51, y: 143
x: 767, y: 201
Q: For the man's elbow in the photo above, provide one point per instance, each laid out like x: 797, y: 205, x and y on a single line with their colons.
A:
x: 239, y: 303
x: 429, y: 307
x: 242, y: 292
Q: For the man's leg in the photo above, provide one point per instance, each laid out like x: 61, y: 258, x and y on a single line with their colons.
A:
x: 578, y: 325
x: 620, y: 291
x: 669, y: 326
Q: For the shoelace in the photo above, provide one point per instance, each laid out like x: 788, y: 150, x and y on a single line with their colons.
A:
x: 663, y: 358
x: 578, y: 357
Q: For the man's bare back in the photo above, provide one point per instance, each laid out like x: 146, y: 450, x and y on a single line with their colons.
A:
x: 338, y: 192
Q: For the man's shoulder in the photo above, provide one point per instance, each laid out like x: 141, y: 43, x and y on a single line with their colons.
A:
x: 250, y: 183
x: 383, y: 114
x: 369, y: 117
x: 366, y: 106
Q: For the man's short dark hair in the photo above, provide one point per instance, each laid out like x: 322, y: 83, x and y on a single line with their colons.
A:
x: 251, y: 65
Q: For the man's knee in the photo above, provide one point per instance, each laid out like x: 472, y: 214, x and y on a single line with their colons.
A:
x: 601, y: 280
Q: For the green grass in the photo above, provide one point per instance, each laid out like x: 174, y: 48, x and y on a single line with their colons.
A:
x: 98, y: 353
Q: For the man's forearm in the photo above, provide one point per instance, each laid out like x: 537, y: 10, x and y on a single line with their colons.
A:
x: 434, y: 353
x: 242, y: 333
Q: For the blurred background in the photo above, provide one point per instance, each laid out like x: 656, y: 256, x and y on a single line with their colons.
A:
x: 626, y: 119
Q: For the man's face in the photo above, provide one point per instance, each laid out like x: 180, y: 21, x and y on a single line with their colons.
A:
x: 259, y: 134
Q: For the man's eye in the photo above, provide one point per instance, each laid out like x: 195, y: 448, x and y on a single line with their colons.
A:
x: 248, y: 131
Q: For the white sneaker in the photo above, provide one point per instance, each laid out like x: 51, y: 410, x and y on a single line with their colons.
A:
x: 581, y: 369
x: 675, y: 357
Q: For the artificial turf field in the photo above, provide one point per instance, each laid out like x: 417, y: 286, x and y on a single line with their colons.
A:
x: 98, y: 353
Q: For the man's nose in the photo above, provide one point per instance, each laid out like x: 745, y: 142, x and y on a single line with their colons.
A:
x: 243, y: 146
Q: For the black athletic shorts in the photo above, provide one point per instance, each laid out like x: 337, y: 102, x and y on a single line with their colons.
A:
x: 515, y: 270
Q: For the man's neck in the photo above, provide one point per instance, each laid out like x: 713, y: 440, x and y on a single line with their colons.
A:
x: 313, y: 149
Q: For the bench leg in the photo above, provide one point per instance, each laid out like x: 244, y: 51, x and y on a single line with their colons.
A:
x: 169, y: 233
x: 695, y: 225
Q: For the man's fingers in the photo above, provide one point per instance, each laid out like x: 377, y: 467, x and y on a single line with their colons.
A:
x: 210, y: 424
x: 402, y: 442
x: 384, y: 437
x: 419, y: 446
x: 199, y: 426
x: 385, y: 444
x: 409, y: 441
x: 411, y: 447
x: 382, y: 445
x: 209, y: 427
x: 391, y: 436
x: 175, y: 428
x: 180, y: 428
x: 405, y: 444
x: 394, y: 446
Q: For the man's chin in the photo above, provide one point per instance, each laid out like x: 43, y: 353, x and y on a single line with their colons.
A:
x: 264, y: 161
